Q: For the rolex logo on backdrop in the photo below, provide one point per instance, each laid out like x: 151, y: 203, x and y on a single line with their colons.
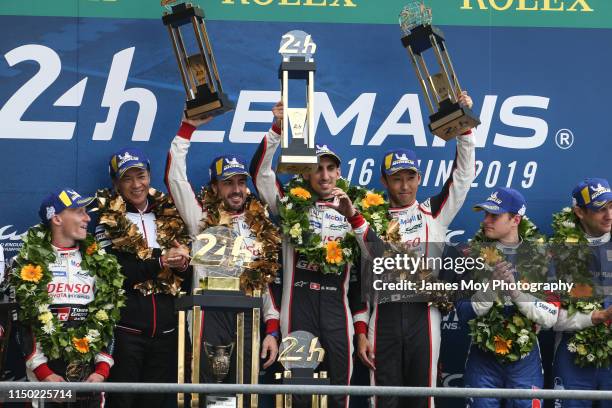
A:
x: 528, y: 5
x: 304, y: 3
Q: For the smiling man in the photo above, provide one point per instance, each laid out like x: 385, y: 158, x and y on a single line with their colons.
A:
x: 412, y: 326
x: 314, y: 301
x: 227, y: 193
x: 591, y: 217
x: 58, y: 293
x: 143, y: 229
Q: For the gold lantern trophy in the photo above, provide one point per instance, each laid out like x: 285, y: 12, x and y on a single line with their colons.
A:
x: 447, y: 118
x: 199, y: 72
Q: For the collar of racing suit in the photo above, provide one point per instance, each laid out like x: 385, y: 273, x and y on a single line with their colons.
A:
x: 129, y: 207
x: 595, y: 241
x: 406, y: 207
x: 508, y: 249
x: 62, y: 249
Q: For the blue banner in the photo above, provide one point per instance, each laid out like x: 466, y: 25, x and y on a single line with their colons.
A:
x: 74, y: 90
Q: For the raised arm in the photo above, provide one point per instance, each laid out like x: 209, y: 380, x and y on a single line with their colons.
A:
x: 444, y: 206
x: 264, y: 177
x: 176, y: 179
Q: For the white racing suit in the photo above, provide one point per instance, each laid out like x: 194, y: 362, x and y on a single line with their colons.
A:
x: 219, y: 328
x: 412, y: 329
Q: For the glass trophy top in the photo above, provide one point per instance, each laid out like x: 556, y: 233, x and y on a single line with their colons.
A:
x: 221, y: 252
x: 414, y: 14
x: 297, y: 43
x: 167, y: 4
x: 300, y: 349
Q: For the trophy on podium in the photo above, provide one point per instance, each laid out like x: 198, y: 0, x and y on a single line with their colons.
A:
x: 199, y: 72
x: 221, y: 252
x: 298, y: 155
x: 447, y: 118
x: 300, y: 354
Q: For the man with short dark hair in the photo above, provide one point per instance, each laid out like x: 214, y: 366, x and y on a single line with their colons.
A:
x: 590, y: 219
x: 413, y: 328
x: 505, y: 209
x: 328, y: 305
x: 143, y: 229
x: 227, y: 192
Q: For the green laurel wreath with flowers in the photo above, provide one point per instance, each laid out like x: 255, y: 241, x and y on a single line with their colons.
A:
x: 29, y: 277
x: 572, y: 255
x: 375, y: 209
x: 509, y: 338
x: 294, y: 210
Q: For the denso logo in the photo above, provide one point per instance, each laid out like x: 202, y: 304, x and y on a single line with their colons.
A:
x: 59, y: 288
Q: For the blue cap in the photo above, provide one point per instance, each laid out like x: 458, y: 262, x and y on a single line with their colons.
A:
x: 226, y: 166
x: 504, y: 200
x: 125, y: 159
x: 399, y: 159
x: 325, y: 150
x: 58, y: 201
x: 592, y: 193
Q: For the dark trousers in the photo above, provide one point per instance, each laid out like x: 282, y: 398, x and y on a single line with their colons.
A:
x: 143, y: 359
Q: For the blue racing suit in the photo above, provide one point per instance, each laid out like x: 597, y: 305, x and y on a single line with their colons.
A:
x: 482, y: 369
x: 567, y: 374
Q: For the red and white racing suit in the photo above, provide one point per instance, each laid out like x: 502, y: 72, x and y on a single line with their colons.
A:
x: 219, y: 327
x: 312, y: 301
x: 412, y: 330
x: 71, y: 290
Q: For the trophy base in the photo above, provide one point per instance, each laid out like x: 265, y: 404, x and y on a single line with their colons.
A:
x: 298, y: 167
x: 221, y: 283
x: 297, y: 159
x: 207, y: 103
x: 220, y: 401
x: 452, y: 120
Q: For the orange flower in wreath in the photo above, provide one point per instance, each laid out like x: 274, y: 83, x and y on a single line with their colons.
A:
x: 490, y: 255
x: 502, y: 346
x: 333, y: 253
x: 300, y: 192
x: 372, y: 200
x: 91, y: 249
x: 581, y: 290
x: 81, y: 345
x: 31, y: 273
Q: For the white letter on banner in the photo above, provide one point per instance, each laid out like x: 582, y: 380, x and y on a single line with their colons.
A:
x: 508, y: 117
x: 115, y: 95
x: 12, y: 111
x: 480, y: 133
x: 360, y: 108
x: 410, y: 103
x: 243, y: 115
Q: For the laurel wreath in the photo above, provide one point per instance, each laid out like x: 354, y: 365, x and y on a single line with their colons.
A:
x: 294, y: 210
x: 126, y: 237
x: 263, y: 270
x: 30, y: 275
x: 509, y: 338
x: 592, y: 346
